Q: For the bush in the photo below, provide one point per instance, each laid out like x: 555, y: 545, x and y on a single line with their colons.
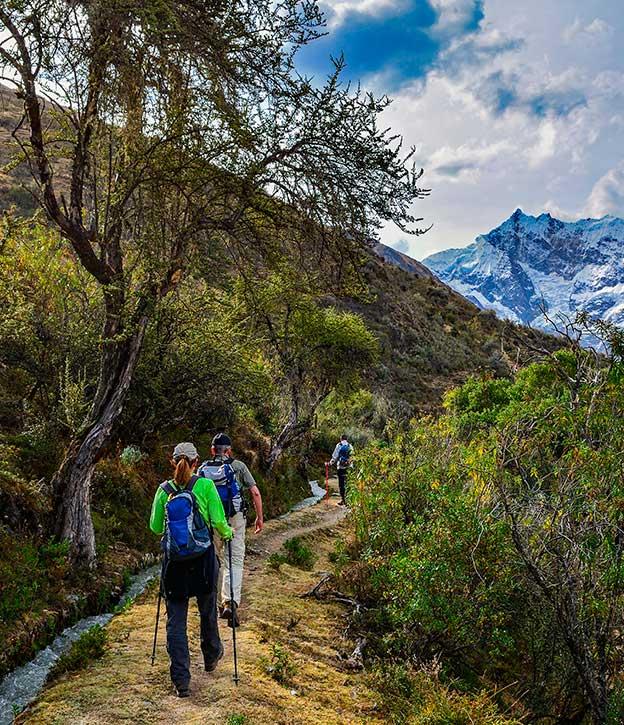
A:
x: 131, y: 456
x: 295, y: 553
x: 493, y: 536
x: 418, y: 697
x: 18, y: 591
x: 122, y: 498
x: 91, y: 645
x: 237, y: 720
x: 280, y: 666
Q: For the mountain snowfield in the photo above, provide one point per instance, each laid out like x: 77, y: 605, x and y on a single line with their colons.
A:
x: 532, y: 262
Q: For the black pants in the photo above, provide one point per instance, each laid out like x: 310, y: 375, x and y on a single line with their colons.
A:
x: 177, y: 639
x: 342, y: 482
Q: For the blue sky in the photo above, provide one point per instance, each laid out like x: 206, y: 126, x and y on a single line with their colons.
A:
x: 508, y: 103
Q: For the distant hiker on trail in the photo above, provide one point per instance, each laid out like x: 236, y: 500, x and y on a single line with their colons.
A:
x: 230, y: 477
x: 342, y: 458
x: 184, y: 511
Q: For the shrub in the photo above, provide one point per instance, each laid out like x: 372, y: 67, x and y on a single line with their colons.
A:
x: 237, y: 720
x: 131, y: 456
x: 493, y: 535
x: 18, y: 591
x: 279, y: 665
x: 90, y: 646
x: 419, y: 698
x: 295, y: 553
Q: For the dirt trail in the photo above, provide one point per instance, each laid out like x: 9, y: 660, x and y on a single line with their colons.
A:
x: 123, y: 687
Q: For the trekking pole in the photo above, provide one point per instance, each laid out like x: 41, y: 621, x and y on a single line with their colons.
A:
x: 326, y: 482
x: 157, y: 618
x: 232, y: 606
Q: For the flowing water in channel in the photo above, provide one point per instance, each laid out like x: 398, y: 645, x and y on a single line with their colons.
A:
x: 318, y: 494
x: 21, y: 687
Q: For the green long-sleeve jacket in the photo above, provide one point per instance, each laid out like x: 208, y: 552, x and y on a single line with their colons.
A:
x: 209, y: 504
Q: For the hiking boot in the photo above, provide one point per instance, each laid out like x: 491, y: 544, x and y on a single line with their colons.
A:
x: 342, y: 502
x: 230, y: 612
x: 182, y: 690
x: 212, y: 666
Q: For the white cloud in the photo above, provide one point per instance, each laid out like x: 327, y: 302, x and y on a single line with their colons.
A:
x: 597, y: 27
x: 402, y: 245
x: 465, y: 162
x: 607, y: 195
x: 545, y: 146
x: 514, y: 116
x: 339, y: 10
x: 453, y: 16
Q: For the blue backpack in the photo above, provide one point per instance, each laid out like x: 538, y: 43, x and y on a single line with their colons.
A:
x: 186, y: 534
x: 344, y: 455
x: 224, y: 478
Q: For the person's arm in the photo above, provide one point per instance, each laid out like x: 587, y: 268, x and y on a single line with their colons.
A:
x: 334, y: 457
x: 211, y: 507
x: 157, y: 517
x: 245, y: 477
x: 256, y: 499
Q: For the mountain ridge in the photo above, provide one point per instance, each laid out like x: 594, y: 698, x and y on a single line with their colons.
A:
x: 532, y: 261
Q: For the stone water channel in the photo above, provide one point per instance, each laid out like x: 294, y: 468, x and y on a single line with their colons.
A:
x: 21, y: 686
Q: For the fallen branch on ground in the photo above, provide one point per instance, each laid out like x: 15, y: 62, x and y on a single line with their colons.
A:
x: 333, y: 594
x: 355, y: 661
x: 314, y: 592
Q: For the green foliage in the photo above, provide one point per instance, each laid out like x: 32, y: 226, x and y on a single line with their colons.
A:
x: 73, y: 402
x: 28, y: 568
x: 49, y: 322
x: 22, y: 501
x: 295, y: 553
x: 224, y: 384
x: 275, y: 560
x: 494, y: 533
x: 91, y: 645
x: 131, y: 456
x: 359, y: 414
x: 299, y: 554
x: 477, y: 403
x: 121, y: 504
x: 237, y: 720
x: 313, y: 348
x: 18, y: 592
x: 279, y: 665
x: 418, y: 697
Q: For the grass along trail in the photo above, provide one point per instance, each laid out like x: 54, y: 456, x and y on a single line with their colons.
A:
x: 122, y: 686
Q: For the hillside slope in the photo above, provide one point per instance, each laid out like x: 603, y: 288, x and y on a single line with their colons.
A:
x: 431, y: 337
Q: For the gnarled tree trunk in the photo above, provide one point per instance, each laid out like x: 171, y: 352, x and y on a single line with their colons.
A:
x: 299, y: 421
x: 72, y: 482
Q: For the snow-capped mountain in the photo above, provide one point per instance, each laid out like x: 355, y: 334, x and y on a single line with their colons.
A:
x: 529, y: 262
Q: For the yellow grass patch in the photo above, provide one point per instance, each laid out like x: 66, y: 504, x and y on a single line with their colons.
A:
x: 124, y: 687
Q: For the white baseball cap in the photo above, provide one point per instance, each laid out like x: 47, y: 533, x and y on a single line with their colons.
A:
x: 185, y: 450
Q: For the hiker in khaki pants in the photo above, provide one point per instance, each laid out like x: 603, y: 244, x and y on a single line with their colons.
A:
x: 223, y: 468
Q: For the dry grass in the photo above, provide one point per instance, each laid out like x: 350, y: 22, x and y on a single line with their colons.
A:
x: 123, y: 687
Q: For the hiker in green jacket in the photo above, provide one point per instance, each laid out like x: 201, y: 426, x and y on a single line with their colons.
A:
x: 185, y: 510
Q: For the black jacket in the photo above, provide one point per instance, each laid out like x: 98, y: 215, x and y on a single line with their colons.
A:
x: 183, y: 579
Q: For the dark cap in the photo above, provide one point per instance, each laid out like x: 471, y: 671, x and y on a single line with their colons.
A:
x: 221, y: 440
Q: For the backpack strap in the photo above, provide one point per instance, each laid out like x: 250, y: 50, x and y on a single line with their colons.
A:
x: 189, y: 487
x: 191, y: 484
x: 168, y: 488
